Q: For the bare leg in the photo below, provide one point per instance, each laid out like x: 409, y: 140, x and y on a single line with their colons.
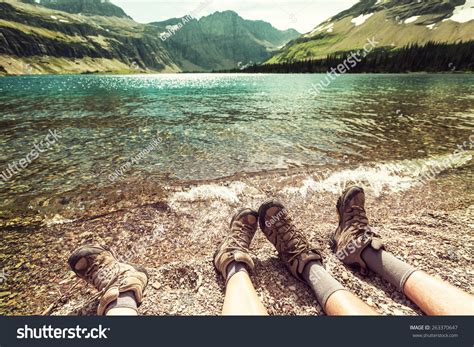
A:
x: 121, y: 312
x: 241, y: 298
x: 433, y: 296
x: 305, y: 262
x: 233, y: 261
x: 331, y: 295
x: 436, y: 297
x: 366, y: 250
x: 344, y: 303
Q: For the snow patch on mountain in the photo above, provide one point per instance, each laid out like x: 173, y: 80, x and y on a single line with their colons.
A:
x: 324, y: 27
x: 411, y: 19
x: 463, y: 13
x: 361, y: 19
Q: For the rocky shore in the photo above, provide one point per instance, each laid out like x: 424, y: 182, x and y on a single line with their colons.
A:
x: 174, y: 234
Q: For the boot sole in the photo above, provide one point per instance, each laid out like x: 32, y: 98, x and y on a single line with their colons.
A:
x: 263, y: 210
x: 83, y: 251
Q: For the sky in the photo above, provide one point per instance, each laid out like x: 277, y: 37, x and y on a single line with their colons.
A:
x: 302, y: 15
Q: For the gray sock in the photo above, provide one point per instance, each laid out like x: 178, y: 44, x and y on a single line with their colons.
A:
x: 233, y: 268
x: 322, y: 283
x: 388, y: 267
x: 125, y: 300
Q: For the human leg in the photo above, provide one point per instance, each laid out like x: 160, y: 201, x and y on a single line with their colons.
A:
x: 233, y: 261
x: 304, y: 262
x: 241, y: 297
x: 357, y: 245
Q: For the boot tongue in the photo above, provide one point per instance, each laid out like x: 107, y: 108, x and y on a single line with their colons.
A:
x: 358, y: 200
x: 81, y: 265
x: 354, y: 217
x: 249, y: 220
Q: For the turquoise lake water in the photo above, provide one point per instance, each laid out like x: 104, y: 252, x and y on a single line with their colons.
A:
x: 201, y: 126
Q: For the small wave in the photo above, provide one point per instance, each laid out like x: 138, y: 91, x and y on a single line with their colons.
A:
x: 394, y: 176
x: 210, y: 204
x: 230, y: 194
x: 55, y: 220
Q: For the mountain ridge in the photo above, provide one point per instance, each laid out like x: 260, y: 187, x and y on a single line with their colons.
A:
x: 36, y: 39
x: 39, y: 39
x: 97, y: 36
x: 394, y: 23
x: 223, y: 40
x: 86, y: 7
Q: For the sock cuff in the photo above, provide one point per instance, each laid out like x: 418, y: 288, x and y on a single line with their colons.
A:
x: 124, y: 300
x: 405, y: 278
x: 234, y: 268
x: 322, y: 283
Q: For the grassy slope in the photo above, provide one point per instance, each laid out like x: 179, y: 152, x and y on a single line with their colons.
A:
x: 388, y: 32
x: 48, y: 64
x: 55, y: 65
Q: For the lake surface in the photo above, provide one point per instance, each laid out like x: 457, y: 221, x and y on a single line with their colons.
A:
x: 203, y: 126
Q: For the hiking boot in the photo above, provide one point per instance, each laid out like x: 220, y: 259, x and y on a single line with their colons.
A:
x: 292, y: 245
x: 236, y: 245
x: 353, y: 235
x: 98, y: 267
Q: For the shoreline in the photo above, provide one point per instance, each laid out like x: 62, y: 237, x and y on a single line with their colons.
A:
x: 428, y: 226
x: 123, y: 73
x: 88, y: 201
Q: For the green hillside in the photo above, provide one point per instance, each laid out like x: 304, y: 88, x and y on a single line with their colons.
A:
x: 36, y: 39
x: 393, y: 24
x: 222, y: 40
x: 92, y: 36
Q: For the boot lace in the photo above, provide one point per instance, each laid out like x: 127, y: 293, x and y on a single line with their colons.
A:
x: 292, y: 234
x: 239, y: 238
x: 101, y: 275
x: 358, y: 221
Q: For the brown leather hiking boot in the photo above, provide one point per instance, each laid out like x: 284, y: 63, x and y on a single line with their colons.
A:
x: 292, y: 245
x: 236, y: 246
x: 353, y: 235
x: 98, y: 266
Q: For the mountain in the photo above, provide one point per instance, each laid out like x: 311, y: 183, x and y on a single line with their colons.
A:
x: 36, y: 39
x: 86, y: 7
x: 88, y: 36
x: 222, y: 40
x: 391, y: 23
